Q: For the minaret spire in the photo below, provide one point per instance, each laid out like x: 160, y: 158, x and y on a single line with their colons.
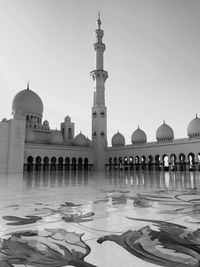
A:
x: 27, y: 85
x: 99, y: 21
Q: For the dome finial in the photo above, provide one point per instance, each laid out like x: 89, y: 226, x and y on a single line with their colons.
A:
x: 196, y: 115
x: 138, y: 126
x: 163, y: 121
x: 27, y: 85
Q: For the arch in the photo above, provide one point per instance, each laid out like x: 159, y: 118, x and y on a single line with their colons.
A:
x: 27, y: 117
x: 60, y: 164
x: 86, y: 164
x: 143, y: 162
x: 53, y: 164
x: 131, y: 163
x: 150, y: 162
x: 110, y: 163
x: 191, y: 161
x: 125, y: 163
x: 30, y: 163
x: 182, y: 157
x: 182, y: 162
x: 165, y: 160
x: 125, y: 160
x: 173, y: 162
x: 38, y: 163
x: 67, y: 164
x: 120, y: 162
x: 198, y: 162
x: 45, y: 163
x: 115, y: 163
x: 80, y: 164
x: 137, y: 163
x: 73, y: 164
x: 157, y: 163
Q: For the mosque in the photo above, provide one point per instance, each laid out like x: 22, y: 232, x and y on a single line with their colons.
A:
x: 27, y: 143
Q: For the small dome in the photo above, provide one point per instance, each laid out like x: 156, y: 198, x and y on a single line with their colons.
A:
x: 27, y: 102
x: 30, y: 136
x: 56, y: 137
x: 4, y: 120
x: 67, y: 119
x: 80, y: 140
x: 138, y: 137
x: 164, y: 133
x: 46, y: 123
x: 193, y: 129
x: 118, y: 139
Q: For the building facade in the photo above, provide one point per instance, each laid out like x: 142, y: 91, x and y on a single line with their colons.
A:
x: 28, y: 144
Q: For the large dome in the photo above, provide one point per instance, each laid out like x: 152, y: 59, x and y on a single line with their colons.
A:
x: 193, y: 129
x: 164, y: 133
x: 118, y: 139
x: 80, y: 140
x: 138, y: 137
x: 27, y: 102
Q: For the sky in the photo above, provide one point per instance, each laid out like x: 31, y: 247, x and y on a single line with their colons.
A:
x: 152, y: 57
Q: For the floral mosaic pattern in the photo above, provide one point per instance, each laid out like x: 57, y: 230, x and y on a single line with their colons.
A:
x: 159, y: 242
x: 170, y: 245
x: 51, y: 247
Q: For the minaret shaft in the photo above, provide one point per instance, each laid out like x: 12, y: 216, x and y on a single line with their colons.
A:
x: 99, y: 110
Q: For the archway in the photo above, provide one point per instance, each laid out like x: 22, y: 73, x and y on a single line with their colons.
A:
x: 53, y: 164
x: 38, y: 163
x: 115, y: 163
x: 182, y: 162
x: 165, y: 163
x: 67, y: 164
x: 120, y: 162
x: 173, y: 165
x: 137, y: 163
x: 45, y: 164
x: 198, y: 162
x: 60, y: 164
x: 73, y: 164
x: 30, y: 164
x: 131, y: 163
x: 110, y: 163
x: 80, y: 163
x: 125, y: 163
x: 157, y: 163
x: 86, y: 164
x: 150, y: 162
x: 143, y: 163
x: 191, y: 161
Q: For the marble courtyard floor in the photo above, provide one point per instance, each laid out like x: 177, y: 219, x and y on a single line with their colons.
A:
x: 115, y: 219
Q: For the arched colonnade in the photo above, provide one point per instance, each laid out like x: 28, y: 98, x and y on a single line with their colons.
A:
x: 172, y: 162
x: 56, y: 164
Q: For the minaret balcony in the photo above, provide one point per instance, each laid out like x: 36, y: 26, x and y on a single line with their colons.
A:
x: 99, y: 74
x: 99, y: 46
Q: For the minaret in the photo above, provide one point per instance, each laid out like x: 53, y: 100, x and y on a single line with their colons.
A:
x: 99, y: 110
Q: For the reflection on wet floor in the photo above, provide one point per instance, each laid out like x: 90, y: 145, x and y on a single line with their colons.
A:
x: 100, y: 219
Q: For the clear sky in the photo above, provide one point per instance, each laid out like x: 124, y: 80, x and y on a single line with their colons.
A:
x: 152, y: 57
